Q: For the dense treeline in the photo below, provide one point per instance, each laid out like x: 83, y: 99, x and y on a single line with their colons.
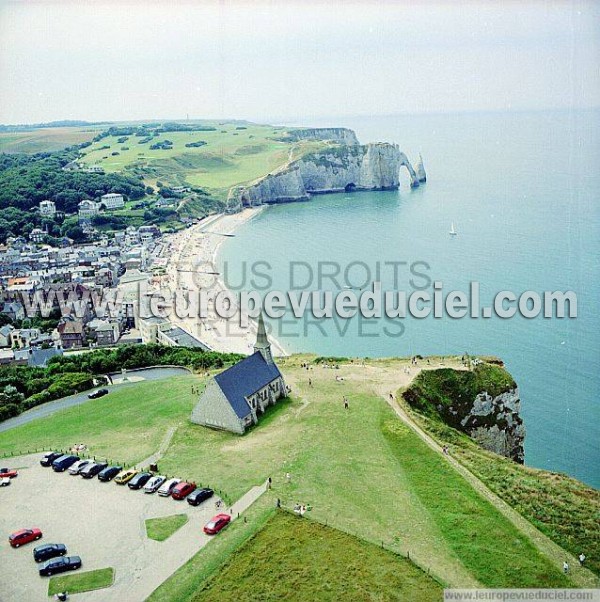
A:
x: 24, y: 387
x: 25, y: 180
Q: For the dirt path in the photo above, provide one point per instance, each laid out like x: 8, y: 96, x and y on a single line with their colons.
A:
x: 386, y: 383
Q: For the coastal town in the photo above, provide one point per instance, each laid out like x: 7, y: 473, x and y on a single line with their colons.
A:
x: 120, y: 262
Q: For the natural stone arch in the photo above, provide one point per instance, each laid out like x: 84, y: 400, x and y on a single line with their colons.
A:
x: 350, y: 187
x: 414, y: 180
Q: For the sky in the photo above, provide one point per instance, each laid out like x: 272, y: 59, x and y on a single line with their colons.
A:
x: 272, y: 61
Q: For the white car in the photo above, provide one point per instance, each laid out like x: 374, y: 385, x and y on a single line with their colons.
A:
x: 167, y: 487
x: 79, y: 466
x: 5, y: 482
x: 154, y: 483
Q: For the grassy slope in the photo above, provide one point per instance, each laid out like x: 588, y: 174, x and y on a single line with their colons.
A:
x: 564, y: 509
x: 298, y: 559
x: 163, y: 527
x: 127, y: 425
x: 45, y: 139
x: 81, y: 582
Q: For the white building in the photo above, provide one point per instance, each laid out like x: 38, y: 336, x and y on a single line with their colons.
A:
x: 37, y: 235
x: 48, y: 208
x: 112, y: 200
x: 87, y: 210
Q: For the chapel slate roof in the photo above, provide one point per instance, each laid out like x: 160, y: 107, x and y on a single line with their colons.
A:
x: 244, y: 379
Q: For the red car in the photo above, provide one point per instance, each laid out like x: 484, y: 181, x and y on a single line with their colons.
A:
x: 8, y: 473
x: 182, y: 490
x: 217, y: 523
x: 18, y: 538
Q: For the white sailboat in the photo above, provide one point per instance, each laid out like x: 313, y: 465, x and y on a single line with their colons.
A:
x: 453, y: 231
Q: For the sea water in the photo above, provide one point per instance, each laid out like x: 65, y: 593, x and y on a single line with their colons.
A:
x: 523, y: 190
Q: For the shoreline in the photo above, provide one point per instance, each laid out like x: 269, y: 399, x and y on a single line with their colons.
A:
x: 198, y: 246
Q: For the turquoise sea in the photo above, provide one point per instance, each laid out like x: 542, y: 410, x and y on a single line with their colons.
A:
x: 523, y: 190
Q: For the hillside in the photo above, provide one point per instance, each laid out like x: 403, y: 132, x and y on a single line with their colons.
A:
x: 362, y: 471
x: 298, y: 559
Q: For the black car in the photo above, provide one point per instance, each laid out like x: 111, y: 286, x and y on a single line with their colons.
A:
x: 139, y: 480
x: 60, y: 565
x: 63, y: 462
x: 49, y: 550
x: 91, y: 470
x: 199, y: 495
x: 108, y: 474
x: 48, y: 458
x: 98, y: 393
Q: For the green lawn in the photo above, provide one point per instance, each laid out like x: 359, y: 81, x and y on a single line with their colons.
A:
x: 126, y: 426
x: 75, y: 583
x: 298, y: 559
x: 163, y: 527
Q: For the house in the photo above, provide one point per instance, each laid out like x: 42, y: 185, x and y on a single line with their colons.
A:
x: 14, y: 310
x: 112, y: 200
x: 105, y: 332
x: 70, y: 333
x: 5, y: 331
x: 48, y: 208
x: 22, y: 337
x: 37, y: 356
x: 87, y: 209
x: 234, y: 399
x: 37, y: 235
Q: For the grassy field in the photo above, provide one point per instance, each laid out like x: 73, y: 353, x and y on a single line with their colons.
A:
x: 45, y: 139
x: 81, y: 582
x: 163, y: 527
x: 126, y: 426
x: 359, y: 470
x: 298, y: 559
x: 230, y: 156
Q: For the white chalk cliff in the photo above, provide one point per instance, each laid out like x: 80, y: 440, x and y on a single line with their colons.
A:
x: 342, y: 167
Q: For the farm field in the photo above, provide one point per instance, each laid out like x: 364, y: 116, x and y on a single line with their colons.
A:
x: 45, y: 139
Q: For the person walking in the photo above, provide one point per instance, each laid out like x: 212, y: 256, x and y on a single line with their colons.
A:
x: 269, y: 483
x: 581, y: 559
x: 288, y: 477
x: 565, y: 567
x: 346, y: 405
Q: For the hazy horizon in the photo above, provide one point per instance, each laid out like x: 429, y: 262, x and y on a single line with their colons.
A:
x: 269, y: 62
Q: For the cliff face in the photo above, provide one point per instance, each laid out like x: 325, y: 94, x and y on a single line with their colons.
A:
x: 483, y: 403
x: 337, y: 135
x: 340, y: 168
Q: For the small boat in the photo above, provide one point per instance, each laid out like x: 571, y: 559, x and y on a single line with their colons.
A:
x: 453, y: 231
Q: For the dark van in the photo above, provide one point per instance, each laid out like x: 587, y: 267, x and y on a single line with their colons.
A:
x: 61, y: 464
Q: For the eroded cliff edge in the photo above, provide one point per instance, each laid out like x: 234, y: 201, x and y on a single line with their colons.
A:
x: 340, y: 165
x: 482, y: 402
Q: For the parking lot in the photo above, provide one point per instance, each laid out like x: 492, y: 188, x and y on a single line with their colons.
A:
x: 104, y: 523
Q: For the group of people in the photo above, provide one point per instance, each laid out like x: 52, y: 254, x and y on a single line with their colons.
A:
x: 581, y: 559
x: 300, y: 509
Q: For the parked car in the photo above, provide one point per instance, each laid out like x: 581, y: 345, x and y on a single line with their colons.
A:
x: 8, y: 473
x: 109, y: 473
x: 49, y: 457
x: 61, y: 464
x: 60, y: 565
x: 49, y: 550
x: 79, y: 466
x: 18, y: 538
x: 5, y: 482
x: 216, y: 524
x: 91, y: 470
x: 154, y: 484
x: 199, y: 495
x: 98, y: 393
x: 182, y: 490
x: 125, y: 476
x: 167, y: 487
x: 139, y: 480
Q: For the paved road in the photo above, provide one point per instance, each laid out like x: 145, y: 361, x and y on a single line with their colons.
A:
x: 51, y: 407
